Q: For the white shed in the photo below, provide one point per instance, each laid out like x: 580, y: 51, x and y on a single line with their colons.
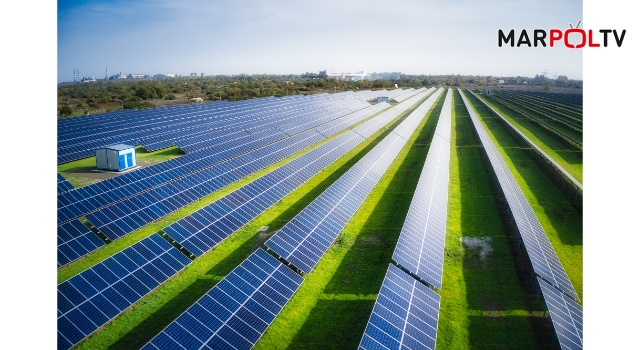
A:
x: 382, y: 99
x: 116, y: 157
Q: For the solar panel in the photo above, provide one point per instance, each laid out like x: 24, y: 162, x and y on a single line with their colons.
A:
x: 405, y: 315
x: 165, y: 126
x: 237, y: 311
x: 63, y: 184
x: 75, y: 240
x: 566, y: 316
x: 222, y: 147
x: 90, y: 299
x: 543, y: 257
x: 420, y: 248
x: 304, y: 240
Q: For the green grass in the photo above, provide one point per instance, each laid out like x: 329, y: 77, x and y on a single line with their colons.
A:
x: 331, y: 308
x: 559, y: 219
x: 568, y: 158
x: 79, y: 172
x: 151, y: 314
x: 485, y: 303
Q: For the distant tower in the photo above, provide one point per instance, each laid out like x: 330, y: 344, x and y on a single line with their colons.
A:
x: 106, y: 73
x: 74, y: 75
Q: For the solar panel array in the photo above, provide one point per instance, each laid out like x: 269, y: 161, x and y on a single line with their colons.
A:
x: 75, y: 240
x: 228, y: 145
x: 134, y: 212
x: 420, y: 248
x: 208, y: 226
x: 163, y: 127
x: 304, y: 240
x: 566, y: 316
x: 543, y: 257
x: 237, y: 311
x: 63, y: 184
x: 405, y: 315
x: 90, y: 299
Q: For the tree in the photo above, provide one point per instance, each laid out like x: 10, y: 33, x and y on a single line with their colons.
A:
x: 66, y: 111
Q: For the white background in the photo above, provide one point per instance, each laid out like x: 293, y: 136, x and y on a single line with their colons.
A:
x: 28, y: 188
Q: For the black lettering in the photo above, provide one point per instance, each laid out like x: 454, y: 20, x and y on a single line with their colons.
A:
x: 606, y: 34
x: 539, y: 35
x: 619, y: 40
x: 524, y: 38
x: 505, y: 39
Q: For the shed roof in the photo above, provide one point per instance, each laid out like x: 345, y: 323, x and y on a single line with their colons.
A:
x: 118, y: 147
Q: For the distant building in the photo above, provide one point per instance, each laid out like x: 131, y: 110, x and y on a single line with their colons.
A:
x: 202, y: 75
x: 136, y: 76
x: 118, y: 76
x: 170, y: 75
x: 487, y: 91
x: 382, y: 99
x: 196, y: 100
x: 360, y: 75
x: 160, y: 75
x: 194, y: 74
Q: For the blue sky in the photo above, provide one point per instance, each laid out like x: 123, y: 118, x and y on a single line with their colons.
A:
x: 281, y: 37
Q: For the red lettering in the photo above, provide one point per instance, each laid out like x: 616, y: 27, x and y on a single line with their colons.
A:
x: 578, y: 31
x: 556, y: 37
x: 591, y: 43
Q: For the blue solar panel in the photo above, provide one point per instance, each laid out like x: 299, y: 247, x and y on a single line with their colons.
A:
x: 75, y: 240
x: 237, y: 311
x: 566, y: 316
x: 90, y: 299
x: 420, y: 248
x: 166, y: 126
x: 63, y: 184
x: 542, y: 256
x: 405, y: 315
x: 93, y: 197
x: 305, y: 239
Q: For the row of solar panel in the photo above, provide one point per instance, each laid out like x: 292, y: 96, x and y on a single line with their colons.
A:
x: 405, y: 315
x: 237, y: 311
x: 151, y: 205
x: 215, y: 324
x: 182, y: 138
x: 552, y: 279
x: 63, y: 184
x: 88, y: 134
x: 541, y: 253
x: 85, y: 145
x: 420, y: 247
x: 90, y: 198
x: 75, y: 240
x: 305, y: 239
x: 132, y: 213
x: 92, y: 298
x: 204, y: 229
x: 95, y: 196
x: 561, y: 108
x: 207, y: 227
x: 159, y: 118
x: 244, y: 303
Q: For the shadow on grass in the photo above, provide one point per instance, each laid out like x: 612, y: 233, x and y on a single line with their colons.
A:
x: 337, y: 318
x: 496, y: 274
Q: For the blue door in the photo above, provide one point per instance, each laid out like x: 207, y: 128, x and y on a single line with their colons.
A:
x: 129, y: 160
x: 122, y: 162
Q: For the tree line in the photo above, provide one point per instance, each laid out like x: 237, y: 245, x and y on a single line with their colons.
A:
x: 105, y: 95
